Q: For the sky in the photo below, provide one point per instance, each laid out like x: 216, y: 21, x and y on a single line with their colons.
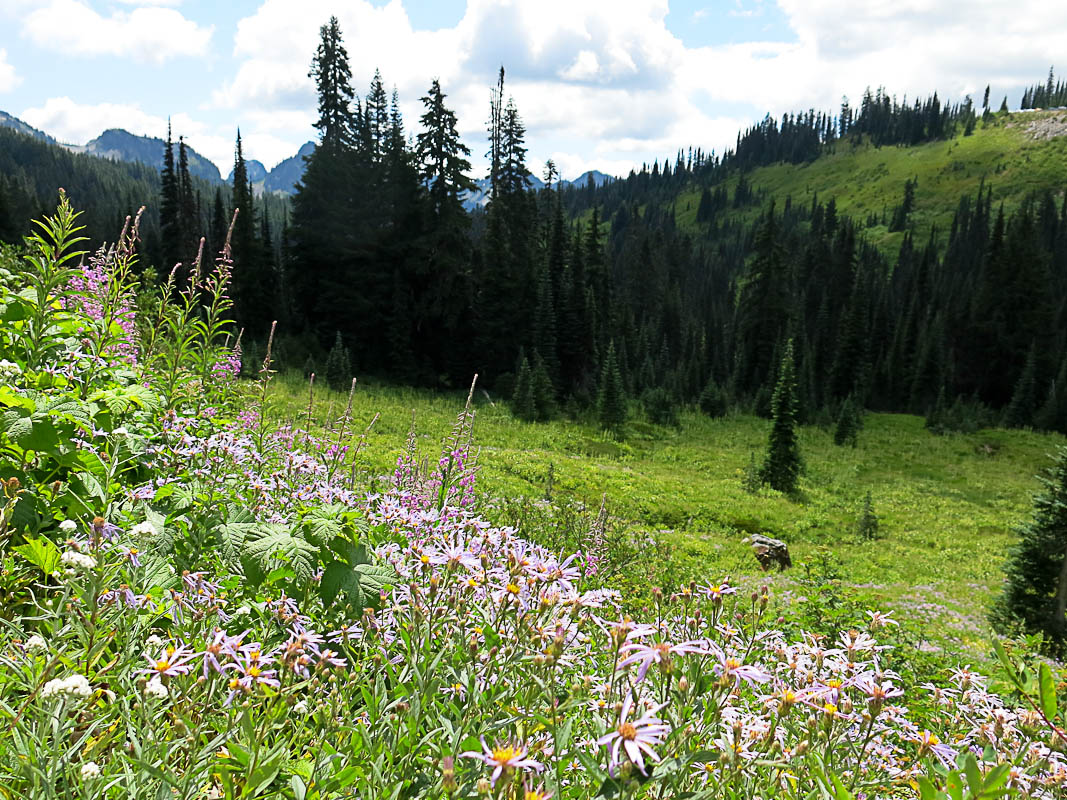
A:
x: 600, y: 84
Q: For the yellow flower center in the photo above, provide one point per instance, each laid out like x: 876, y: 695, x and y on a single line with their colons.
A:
x: 732, y: 664
x: 513, y: 588
x: 834, y: 683
x: 254, y: 671
x: 503, y: 754
x: 829, y: 709
x: 627, y: 731
x: 162, y: 665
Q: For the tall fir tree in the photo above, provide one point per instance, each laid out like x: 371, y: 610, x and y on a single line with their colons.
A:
x: 611, y: 400
x: 170, y: 208
x: 782, y: 465
x: 1035, y: 592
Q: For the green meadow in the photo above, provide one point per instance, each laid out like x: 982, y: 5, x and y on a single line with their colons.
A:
x: 946, y: 505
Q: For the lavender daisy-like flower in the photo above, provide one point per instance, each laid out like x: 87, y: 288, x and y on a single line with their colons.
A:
x: 656, y: 653
x: 637, y: 738
x: 504, y: 759
x: 733, y: 671
x: 172, y: 662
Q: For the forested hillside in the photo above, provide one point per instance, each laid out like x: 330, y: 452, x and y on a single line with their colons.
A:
x: 914, y: 252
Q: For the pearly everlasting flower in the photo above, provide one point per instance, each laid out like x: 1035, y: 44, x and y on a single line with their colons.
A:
x: 120, y: 432
x: 89, y: 770
x: 143, y: 529
x: 74, y: 560
x: 9, y: 369
x: 73, y: 686
x: 68, y: 526
x: 36, y: 644
x: 301, y: 707
x: 155, y: 689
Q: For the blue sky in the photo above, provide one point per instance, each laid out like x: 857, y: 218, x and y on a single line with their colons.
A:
x: 604, y: 84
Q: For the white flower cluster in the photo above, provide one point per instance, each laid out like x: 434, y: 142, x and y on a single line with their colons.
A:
x: 143, y: 529
x: 68, y: 526
x: 155, y: 688
x: 74, y: 686
x: 9, y: 369
x: 36, y: 644
x: 74, y: 560
x: 90, y: 770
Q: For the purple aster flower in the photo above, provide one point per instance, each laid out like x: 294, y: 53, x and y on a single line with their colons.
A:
x: 637, y: 738
x: 173, y: 661
x: 656, y: 653
x: 504, y: 759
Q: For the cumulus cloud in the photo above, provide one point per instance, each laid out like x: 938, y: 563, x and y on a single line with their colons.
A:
x: 148, y: 34
x: 599, y: 85
x: 8, y: 78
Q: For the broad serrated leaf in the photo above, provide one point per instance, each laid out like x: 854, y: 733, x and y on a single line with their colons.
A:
x: 373, y: 579
x: 41, y: 553
x: 339, y: 579
x: 267, y: 542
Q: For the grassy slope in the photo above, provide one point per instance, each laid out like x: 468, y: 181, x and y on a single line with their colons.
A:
x: 946, y: 504
x: 868, y: 180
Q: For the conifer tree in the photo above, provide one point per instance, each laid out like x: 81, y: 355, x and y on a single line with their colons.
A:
x: 170, y: 208
x: 188, y: 218
x: 867, y: 524
x: 611, y: 400
x: 523, y: 404
x: 544, y: 393
x: 338, y: 365
x: 848, y: 424
x: 1020, y: 412
x: 1035, y: 592
x: 782, y: 465
x: 254, y: 284
x: 712, y: 401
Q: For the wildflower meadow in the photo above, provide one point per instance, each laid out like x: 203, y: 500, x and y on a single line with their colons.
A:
x: 202, y: 599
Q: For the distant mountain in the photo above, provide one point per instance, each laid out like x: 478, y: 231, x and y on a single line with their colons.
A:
x: 480, y: 196
x: 120, y: 145
x: 289, y: 172
x: 8, y: 121
x: 599, y: 179
x: 257, y: 175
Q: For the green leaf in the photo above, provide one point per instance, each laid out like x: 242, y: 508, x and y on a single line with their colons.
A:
x: 926, y: 789
x: 954, y: 785
x: 373, y: 579
x: 998, y: 648
x: 996, y: 778
x: 974, y: 775
x: 1047, y: 687
x: 298, y: 786
x: 840, y: 792
x: 41, y: 553
x: 340, y: 579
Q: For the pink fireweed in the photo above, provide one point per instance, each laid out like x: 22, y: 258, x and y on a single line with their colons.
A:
x: 635, y: 738
x: 504, y: 760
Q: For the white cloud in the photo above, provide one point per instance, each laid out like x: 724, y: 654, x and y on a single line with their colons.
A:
x: 146, y: 34
x: 8, y: 78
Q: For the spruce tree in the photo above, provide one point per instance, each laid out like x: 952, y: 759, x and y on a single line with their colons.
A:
x: 1020, y: 412
x: 338, y: 365
x: 1035, y: 592
x: 782, y: 465
x: 611, y: 400
x: 848, y: 424
x: 867, y: 524
x: 544, y: 393
x: 523, y: 404
x: 169, y: 208
x: 712, y: 401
